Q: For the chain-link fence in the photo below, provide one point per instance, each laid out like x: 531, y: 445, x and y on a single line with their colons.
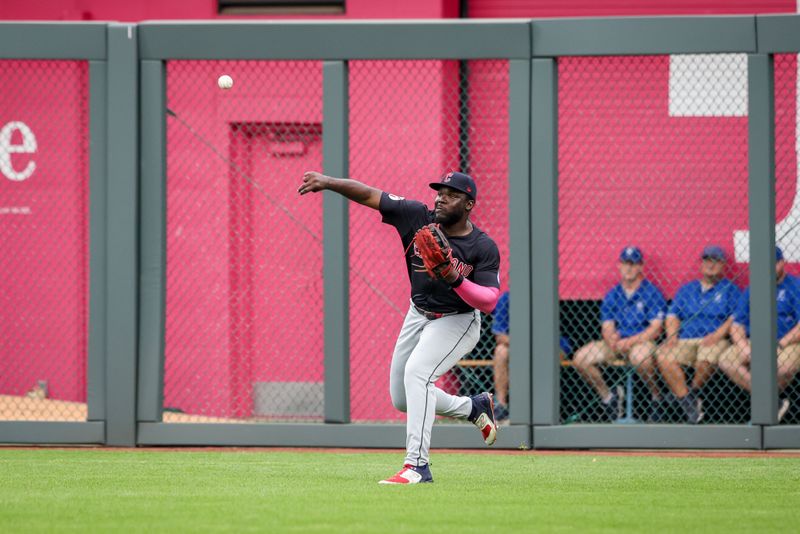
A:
x: 244, y: 320
x: 652, y: 173
x: 234, y: 158
x: 787, y: 230
x: 652, y: 156
x: 44, y: 224
x: 411, y: 122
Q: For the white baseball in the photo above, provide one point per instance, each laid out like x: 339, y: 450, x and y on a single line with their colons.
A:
x: 225, y: 82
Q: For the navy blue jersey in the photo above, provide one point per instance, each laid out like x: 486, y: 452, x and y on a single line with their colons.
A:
x: 633, y: 314
x: 475, y: 256
x: 702, y: 312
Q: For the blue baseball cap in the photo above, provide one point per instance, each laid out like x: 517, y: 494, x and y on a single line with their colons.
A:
x: 778, y: 254
x: 713, y: 252
x: 458, y: 181
x: 631, y: 254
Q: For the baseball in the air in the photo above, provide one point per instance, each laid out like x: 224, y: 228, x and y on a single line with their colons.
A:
x: 225, y: 82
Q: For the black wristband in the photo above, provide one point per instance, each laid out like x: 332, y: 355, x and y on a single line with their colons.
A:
x: 458, y: 281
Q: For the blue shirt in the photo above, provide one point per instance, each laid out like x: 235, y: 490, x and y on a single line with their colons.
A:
x: 788, y: 306
x: 633, y: 315
x: 702, y: 312
x: 500, y: 315
x: 500, y: 322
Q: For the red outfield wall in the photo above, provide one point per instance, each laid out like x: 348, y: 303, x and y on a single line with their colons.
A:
x: 213, y: 351
x: 44, y: 186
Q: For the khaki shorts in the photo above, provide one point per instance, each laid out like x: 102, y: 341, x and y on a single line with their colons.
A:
x: 690, y: 351
x: 787, y: 356
x: 600, y: 352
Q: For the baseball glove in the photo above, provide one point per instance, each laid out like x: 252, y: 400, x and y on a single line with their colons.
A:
x: 435, y: 251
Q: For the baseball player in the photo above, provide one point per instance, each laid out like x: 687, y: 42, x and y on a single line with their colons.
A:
x: 697, y: 325
x: 453, y: 267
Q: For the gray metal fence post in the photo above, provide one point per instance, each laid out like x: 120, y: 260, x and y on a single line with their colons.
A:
x: 544, y: 220
x: 152, y: 309
x: 123, y: 165
x: 520, y: 240
x: 761, y: 124
x: 96, y: 359
x: 335, y: 153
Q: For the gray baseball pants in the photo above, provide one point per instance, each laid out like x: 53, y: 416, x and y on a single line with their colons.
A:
x: 425, y: 350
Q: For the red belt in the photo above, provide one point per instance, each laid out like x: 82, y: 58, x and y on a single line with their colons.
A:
x: 429, y: 315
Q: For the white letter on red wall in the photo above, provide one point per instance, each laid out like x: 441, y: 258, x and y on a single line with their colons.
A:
x: 28, y: 146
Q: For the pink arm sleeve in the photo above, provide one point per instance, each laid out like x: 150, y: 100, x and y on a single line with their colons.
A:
x: 481, y: 297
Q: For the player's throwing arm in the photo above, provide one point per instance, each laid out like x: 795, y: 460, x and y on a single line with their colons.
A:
x: 314, y: 182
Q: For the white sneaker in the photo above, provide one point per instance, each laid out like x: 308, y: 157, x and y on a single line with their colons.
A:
x: 410, y: 475
x: 483, y: 408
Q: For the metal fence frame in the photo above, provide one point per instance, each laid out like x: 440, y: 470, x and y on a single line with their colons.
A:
x: 760, y: 37
x: 128, y: 244
x: 89, y: 42
x: 334, y: 44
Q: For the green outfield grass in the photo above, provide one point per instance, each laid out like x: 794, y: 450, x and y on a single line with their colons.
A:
x: 275, y: 491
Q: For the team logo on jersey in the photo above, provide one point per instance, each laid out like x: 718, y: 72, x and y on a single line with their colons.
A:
x: 718, y: 298
x: 640, y: 306
x: 395, y: 197
x: 464, y: 269
x: 782, y: 294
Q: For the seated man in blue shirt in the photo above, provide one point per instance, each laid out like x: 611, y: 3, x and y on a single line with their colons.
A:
x: 735, y: 362
x: 632, y: 315
x: 500, y: 331
x: 697, y: 325
x: 500, y: 357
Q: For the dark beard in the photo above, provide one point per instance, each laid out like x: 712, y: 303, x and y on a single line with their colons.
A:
x: 446, y: 219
